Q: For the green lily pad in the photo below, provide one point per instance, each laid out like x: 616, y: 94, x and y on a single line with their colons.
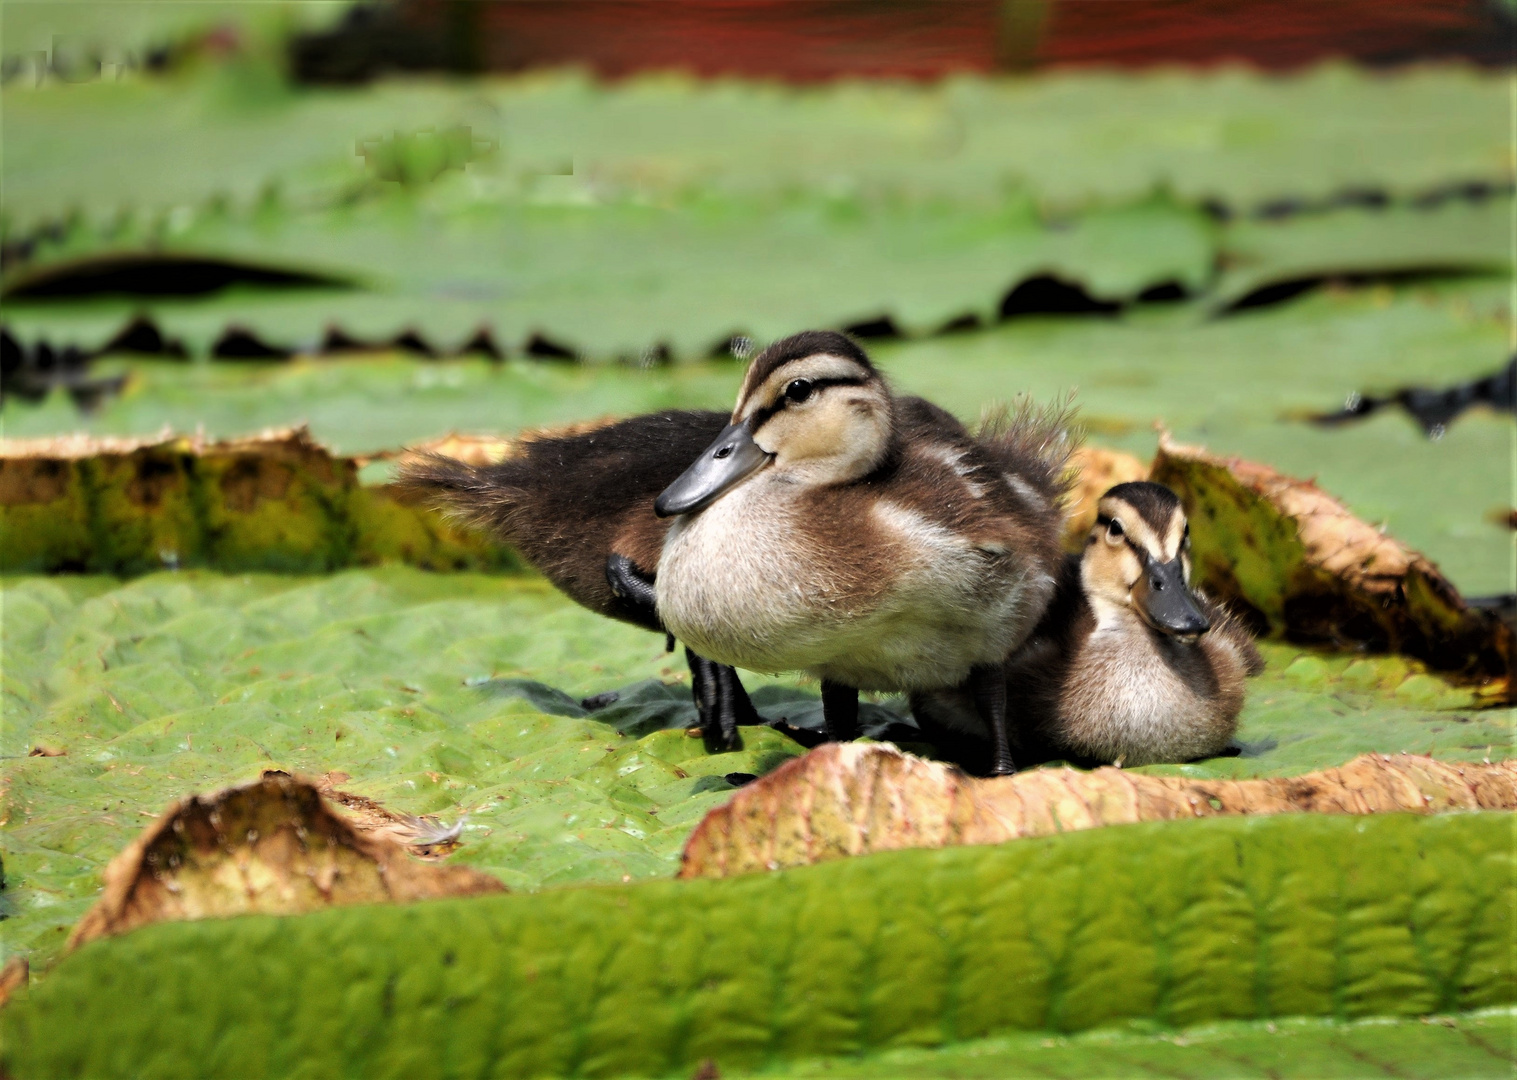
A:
x: 234, y: 134
x: 1474, y: 1046
x: 412, y: 684
x: 620, y: 278
x: 1237, y: 385
x: 1174, y: 924
x: 647, y: 220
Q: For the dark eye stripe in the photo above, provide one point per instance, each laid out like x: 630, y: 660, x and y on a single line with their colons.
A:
x: 762, y: 416
x: 822, y: 384
x: 1137, y: 549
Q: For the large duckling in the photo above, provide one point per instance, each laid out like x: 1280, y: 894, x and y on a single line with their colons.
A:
x: 866, y: 539
x: 579, y: 507
x: 1129, y: 665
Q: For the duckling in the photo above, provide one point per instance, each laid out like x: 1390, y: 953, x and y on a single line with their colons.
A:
x: 868, y: 540
x: 579, y: 507
x: 1129, y: 665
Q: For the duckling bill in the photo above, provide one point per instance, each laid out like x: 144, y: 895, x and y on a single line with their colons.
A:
x: 1129, y: 664
x: 834, y: 528
x: 579, y: 507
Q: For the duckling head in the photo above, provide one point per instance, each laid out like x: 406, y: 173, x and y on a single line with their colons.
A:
x: 1137, y: 557
x: 812, y: 409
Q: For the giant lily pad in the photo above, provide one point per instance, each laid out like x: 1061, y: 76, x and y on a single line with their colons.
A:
x: 609, y: 278
x: 428, y: 691
x: 1073, y: 139
x: 275, y: 501
x: 1240, y: 385
x: 1175, y: 923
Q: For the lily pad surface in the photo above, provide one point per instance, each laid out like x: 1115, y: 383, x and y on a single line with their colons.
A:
x: 1475, y: 1046
x: 1173, y: 923
x: 659, y: 218
x: 1240, y: 385
x: 235, y: 132
x: 459, y: 694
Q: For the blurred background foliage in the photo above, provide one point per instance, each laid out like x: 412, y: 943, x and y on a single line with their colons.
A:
x: 1221, y: 249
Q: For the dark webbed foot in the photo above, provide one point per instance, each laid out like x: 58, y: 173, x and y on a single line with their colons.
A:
x: 840, y: 711
x: 632, y: 593
x: 988, y: 684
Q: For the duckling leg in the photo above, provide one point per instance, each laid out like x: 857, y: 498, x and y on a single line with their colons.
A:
x: 988, y: 682
x: 720, y: 699
x: 840, y: 711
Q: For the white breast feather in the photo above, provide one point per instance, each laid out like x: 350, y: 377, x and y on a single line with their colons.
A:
x: 733, y: 585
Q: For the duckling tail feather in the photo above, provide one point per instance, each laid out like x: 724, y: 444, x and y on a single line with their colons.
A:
x: 1034, y: 441
x: 567, y: 499
x: 471, y: 494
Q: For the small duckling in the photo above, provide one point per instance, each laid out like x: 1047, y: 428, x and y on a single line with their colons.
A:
x: 869, y: 540
x: 579, y: 507
x: 1129, y: 665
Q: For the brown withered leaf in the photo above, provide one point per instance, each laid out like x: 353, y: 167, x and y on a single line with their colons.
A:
x: 855, y: 798
x: 1096, y: 471
x: 272, y: 847
x: 1296, y: 563
x: 470, y: 449
x: 425, y: 836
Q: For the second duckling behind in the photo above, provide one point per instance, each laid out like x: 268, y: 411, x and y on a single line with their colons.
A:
x: 1128, y: 665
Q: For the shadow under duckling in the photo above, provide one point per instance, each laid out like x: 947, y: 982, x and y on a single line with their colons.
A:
x: 579, y: 507
x: 1129, y: 665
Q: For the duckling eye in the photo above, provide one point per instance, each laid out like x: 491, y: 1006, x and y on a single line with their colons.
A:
x: 799, y: 390
x: 1115, y: 532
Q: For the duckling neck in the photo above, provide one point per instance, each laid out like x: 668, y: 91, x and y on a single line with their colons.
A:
x: 1114, y: 618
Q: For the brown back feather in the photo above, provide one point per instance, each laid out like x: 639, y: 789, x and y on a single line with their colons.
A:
x: 566, y: 502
